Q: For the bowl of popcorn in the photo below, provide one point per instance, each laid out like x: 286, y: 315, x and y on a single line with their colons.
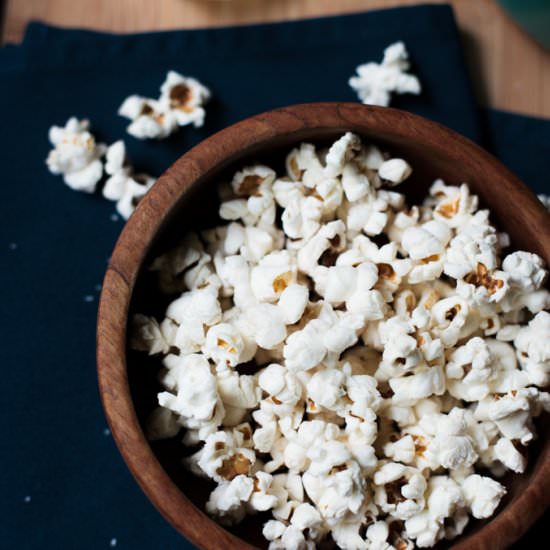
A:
x: 326, y: 326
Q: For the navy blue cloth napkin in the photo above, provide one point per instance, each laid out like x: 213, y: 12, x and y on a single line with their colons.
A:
x: 62, y: 481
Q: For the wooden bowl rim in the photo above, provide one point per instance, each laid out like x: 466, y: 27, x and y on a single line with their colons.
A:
x: 131, y: 248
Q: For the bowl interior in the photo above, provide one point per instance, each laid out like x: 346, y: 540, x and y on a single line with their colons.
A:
x: 197, y: 209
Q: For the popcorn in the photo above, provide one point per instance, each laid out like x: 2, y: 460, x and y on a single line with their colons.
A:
x: 227, y: 500
x: 424, y: 382
x: 123, y: 186
x: 399, y: 490
x: 300, y: 441
x: 261, y: 500
x: 455, y: 206
x: 450, y: 318
x: 506, y: 452
x: 469, y: 371
x: 425, y: 245
x: 532, y: 343
x: 526, y: 275
x: 394, y: 171
x: 322, y: 338
x: 76, y: 155
x: 474, y: 248
x: 237, y: 393
x: 369, y: 214
x: 450, y: 446
x: 173, y: 266
x: 222, y: 459
x: 267, y: 325
x: 289, y: 491
x: 444, y: 501
x: 192, y: 311
x: 292, y: 303
x: 180, y: 103
x: 347, y: 386
x: 150, y: 336
x: 327, y: 242
x: 184, y: 97
x: 149, y: 120
x: 340, y: 153
x: 375, y: 83
x: 482, y: 495
x: 333, y: 480
x: 272, y: 275
x: 256, y: 204
x: 196, y: 400
x: 224, y: 344
x: 326, y: 388
x: 283, y: 388
x: 512, y: 413
x: 300, y: 161
x: 355, y: 183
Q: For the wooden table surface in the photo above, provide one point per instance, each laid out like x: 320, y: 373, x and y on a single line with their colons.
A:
x: 509, y: 69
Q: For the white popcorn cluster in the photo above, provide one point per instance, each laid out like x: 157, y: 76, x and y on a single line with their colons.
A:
x: 81, y: 161
x: 181, y: 102
x: 76, y: 155
x: 346, y: 362
x: 375, y: 82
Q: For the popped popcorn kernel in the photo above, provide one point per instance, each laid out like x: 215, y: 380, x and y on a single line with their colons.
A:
x: 375, y: 82
x: 76, y: 155
x: 181, y: 103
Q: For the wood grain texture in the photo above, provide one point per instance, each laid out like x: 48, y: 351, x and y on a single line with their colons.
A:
x: 433, y: 151
x: 510, y: 70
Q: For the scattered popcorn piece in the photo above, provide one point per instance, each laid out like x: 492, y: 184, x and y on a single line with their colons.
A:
x: 184, y: 98
x: 149, y: 120
x: 181, y: 103
x: 123, y: 186
x: 76, y: 155
x: 343, y: 362
x: 375, y: 82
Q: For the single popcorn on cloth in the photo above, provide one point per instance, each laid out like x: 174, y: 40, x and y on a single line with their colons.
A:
x: 76, y: 155
x: 375, y: 82
x: 123, y: 185
x: 181, y: 103
x: 357, y: 369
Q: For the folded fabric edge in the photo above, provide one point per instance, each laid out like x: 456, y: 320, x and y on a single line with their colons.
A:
x: 38, y: 32
x: 50, y: 46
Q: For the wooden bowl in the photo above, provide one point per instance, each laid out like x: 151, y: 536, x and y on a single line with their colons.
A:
x: 184, y: 198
